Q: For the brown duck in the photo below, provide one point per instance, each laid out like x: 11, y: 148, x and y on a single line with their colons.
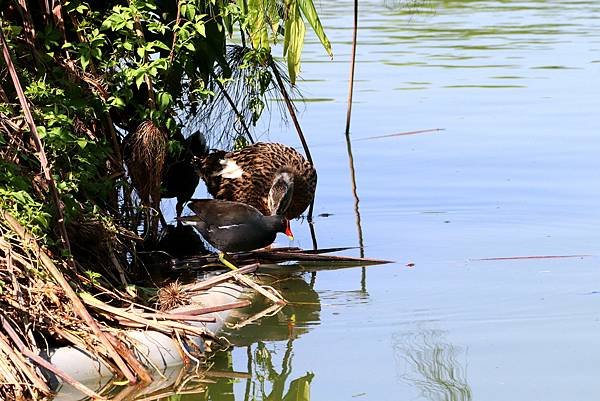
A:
x: 272, y: 177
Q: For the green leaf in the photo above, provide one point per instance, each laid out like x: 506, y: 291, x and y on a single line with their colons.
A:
x: 41, y: 131
x: 200, y: 28
x: 84, y: 59
x: 117, y: 102
x: 164, y: 100
x: 310, y: 13
x: 294, y: 41
x: 140, y: 79
x: 257, y: 24
x: 82, y: 143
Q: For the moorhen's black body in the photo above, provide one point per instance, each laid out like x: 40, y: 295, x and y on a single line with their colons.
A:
x: 233, y: 226
x: 272, y: 177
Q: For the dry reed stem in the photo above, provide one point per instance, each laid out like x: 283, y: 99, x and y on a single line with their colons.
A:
x: 45, y: 364
x: 78, y: 306
x: 270, y: 311
x: 19, y: 362
x: 194, y: 310
x: 165, y: 326
x: 206, y: 284
x: 272, y: 295
x: 41, y: 154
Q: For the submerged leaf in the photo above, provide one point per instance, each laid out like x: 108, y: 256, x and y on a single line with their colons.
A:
x: 299, y: 389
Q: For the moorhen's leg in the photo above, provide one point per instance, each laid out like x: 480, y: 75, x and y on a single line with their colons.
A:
x: 226, y: 262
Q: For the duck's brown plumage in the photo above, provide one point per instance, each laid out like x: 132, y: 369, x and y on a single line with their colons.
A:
x: 260, y: 163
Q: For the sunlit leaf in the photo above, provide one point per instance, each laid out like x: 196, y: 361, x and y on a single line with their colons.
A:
x: 257, y: 24
x: 294, y: 40
x: 310, y: 13
x: 164, y: 100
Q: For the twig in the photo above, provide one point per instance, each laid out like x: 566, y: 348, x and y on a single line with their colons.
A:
x: 270, y: 311
x: 203, y: 285
x: 39, y: 147
x: 19, y: 362
x: 275, y: 297
x: 421, y: 131
x: 290, y: 107
x: 45, y: 364
x: 78, y: 306
x: 163, y: 326
x: 177, y: 20
x: 193, y: 310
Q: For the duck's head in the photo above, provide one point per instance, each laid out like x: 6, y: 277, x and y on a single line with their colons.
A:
x: 280, y: 194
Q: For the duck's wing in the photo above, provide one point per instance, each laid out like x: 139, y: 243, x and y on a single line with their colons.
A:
x: 216, y: 212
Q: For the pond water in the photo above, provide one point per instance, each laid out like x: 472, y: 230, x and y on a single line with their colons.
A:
x: 469, y: 309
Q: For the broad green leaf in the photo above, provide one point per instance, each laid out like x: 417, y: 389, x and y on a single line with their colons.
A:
x: 140, y: 79
x: 200, y: 28
x: 164, y: 100
x: 294, y: 41
x: 82, y: 143
x: 84, y: 59
x: 258, y: 25
x: 310, y: 13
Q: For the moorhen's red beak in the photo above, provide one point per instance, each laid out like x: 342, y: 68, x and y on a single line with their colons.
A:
x: 288, y: 230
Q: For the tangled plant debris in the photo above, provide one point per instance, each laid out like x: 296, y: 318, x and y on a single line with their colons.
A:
x: 95, y: 99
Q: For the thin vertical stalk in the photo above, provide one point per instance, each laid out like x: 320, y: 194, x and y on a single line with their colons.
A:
x: 363, y: 279
x: 352, y: 65
x: 64, y: 237
x: 290, y: 107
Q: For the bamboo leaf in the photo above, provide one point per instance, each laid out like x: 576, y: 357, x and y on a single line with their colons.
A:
x: 257, y: 24
x: 310, y: 13
x: 294, y: 41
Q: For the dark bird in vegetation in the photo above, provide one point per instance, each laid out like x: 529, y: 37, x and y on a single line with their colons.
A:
x: 273, y: 178
x: 179, y: 178
x: 235, y: 227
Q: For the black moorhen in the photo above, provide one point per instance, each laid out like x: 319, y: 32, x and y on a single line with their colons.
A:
x: 234, y: 227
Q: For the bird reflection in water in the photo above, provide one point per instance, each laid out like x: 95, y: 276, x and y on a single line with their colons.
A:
x: 432, y: 365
